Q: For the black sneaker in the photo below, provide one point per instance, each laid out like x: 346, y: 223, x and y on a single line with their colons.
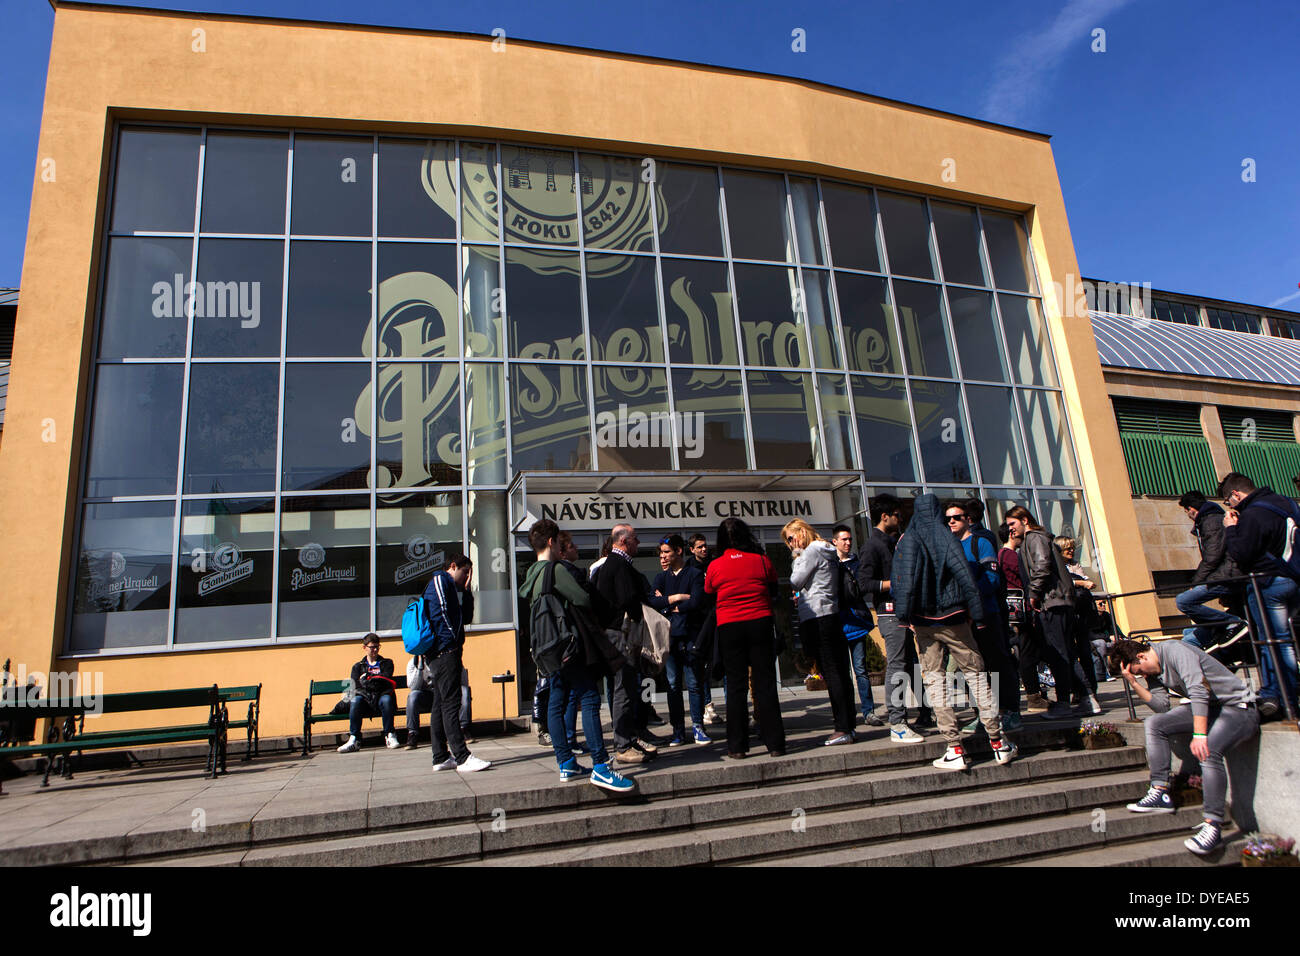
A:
x: 1268, y: 709
x: 544, y: 739
x: 1157, y: 800
x: 1207, y: 839
x: 871, y: 720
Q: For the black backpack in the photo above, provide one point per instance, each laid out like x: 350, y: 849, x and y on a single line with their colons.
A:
x: 851, y: 595
x: 553, y: 636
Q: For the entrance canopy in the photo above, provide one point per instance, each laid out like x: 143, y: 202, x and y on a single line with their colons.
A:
x: 598, y: 500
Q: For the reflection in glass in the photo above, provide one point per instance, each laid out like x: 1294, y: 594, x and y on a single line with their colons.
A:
x: 688, y: 209
x: 482, y: 302
x: 329, y: 299
x: 907, y: 235
x: 1049, y: 437
x: 540, y: 203
x: 485, y: 415
x: 756, y: 216
x: 146, y: 297
x: 417, y: 188
x: 419, y: 433
x: 478, y: 192
x: 550, y: 427
x: 544, y: 305
x: 958, y: 230
x: 783, y: 412
x: 244, y: 177
x: 925, y: 338
x: 326, y: 426
x: 1008, y: 252
x: 332, y: 185
x: 941, y: 432
x: 223, y: 590
x: 997, y: 436
x: 868, y: 319
x: 237, y: 303
x: 633, y: 429
x: 772, y: 330
x: 417, y: 301
x: 851, y: 225
x: 820, y: 318
x: 974, y: 326
x: 415, y: 535
x: 715, y: 394
x: 615, y: 203
x: 803, y: 197
x: 884, y: 428
x: 623, y: 314
x: 1064, y: 513
x: 135, y: 430
x: 998, y: 502
x: 489, y: 537
x: 1027, y: 343
x: 698, y: 305
x: 122, y: 585
x: 230, y: 435
x: 157, y: 173
x: 324, y: 565
x: 838, y: 419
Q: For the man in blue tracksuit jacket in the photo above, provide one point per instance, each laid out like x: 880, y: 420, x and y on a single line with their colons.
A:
x: 442, y: 604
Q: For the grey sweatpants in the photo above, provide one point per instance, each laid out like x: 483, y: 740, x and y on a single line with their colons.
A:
x: 1228, y: 726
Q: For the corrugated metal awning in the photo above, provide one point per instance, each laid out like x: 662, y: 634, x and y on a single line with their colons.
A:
x: 1154, y: 346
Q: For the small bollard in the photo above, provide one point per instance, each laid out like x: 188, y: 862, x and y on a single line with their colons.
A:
x: 503, y: 679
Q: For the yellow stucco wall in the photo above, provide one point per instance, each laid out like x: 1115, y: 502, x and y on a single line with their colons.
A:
x: 111, y: 64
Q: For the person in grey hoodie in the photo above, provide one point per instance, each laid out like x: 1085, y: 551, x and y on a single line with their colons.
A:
x: 1221, y: 715
x: 815, y: 574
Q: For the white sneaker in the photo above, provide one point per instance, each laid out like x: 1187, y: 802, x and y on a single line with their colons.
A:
x: 473, y: 764
x: 448, y: 764
x: 1005, y: 750
x: 351, y: 745
x: 1090, y: 705
x: 903, y: 734
x: 391, y: 742
x: 710, y: 715
x: 954, y: 759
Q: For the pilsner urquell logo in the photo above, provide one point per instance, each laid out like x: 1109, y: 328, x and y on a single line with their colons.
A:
x: 311, y: 557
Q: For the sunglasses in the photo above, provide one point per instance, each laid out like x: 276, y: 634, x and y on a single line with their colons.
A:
x: 951, y: 518
x: 789, y: 538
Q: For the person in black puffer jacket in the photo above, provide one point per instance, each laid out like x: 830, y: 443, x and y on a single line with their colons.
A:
x: 1207, y: 583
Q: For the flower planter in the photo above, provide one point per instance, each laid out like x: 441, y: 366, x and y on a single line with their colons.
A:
x: 1287, y: 860
x: 1102, y: 741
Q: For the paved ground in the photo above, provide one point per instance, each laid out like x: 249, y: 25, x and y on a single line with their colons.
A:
x: 169, y: 800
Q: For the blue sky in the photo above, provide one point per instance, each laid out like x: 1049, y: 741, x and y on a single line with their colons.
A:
x: 1149, y: 136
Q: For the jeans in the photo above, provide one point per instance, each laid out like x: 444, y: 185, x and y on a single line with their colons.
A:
x: 575, y: 686
x: 681, y: 662
x: 361, y: 709
x: 858, y: 654
x: 1281, y: 594
x: 900, y: 654
x: 1228, y: 726
x: 994, y: 649
x: 823, y: 639
x: 748, y: 646
x: 958, y: 641
x: 1192, y: 602
x: 1100, y: 646
x: 444, y: 720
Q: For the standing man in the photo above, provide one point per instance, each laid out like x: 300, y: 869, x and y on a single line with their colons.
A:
x: 699, y: 558
x: 875, y: 562
x: 1221, y: 716
x: 1214, y: 567
x: 679, y: 596
x: 445, y: 665
x: 856, y: 617
x: 1255, y: 534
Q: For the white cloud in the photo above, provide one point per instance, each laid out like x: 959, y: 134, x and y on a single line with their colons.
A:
x: 1286, y: 298
x: 1024, y: 71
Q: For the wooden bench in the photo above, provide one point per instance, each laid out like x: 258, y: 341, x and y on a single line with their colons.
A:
x: 319, y: 688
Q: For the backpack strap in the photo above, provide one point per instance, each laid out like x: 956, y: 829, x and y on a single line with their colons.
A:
x: 1293, y: 514
x: 548, y: 578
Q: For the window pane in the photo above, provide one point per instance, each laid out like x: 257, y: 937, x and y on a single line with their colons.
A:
x: 975, y: 327
x: 907, y: 235
x: 999, y: 501
x: 544, y: 305
x: 1064, y: 513
x: 772, y: 331
x: 417, y: 188
x: 837, y: 418
x: 489, y: 536
x: 633, y: 430
x: 997, y: 436
x: 332, y: 185
x: 851, y: 224
x: 145, y: 296
x: 485, y: 412
x: 550, y: 427
x: 244, y: 177
x: 819, y: 318
x: 230, y: 437
x: 1049, y: 438
x: 237, y: 302
x: 868, y: 320
x: 329, y: 299
x: 123, y: 578
x: 615, y: 203
x: 540, y: 202
x: 327, y: 424
x: 884, y: 428
x: 716, y: 396
x: 925, y: 336
x: 157, y: 173
x: 415, y: 535
x: 223, y: 590
x: 697, y: 301
x: 417, y: 300
x: 783, y: 411
x: 803, y: 198
x: 419, y: 433
x: 623, y: 312
x: 1008, y: 252
x: 756, y: 216
x: 482, y: 301
x: 324, y: 565
x: 688, y: 206
x: 1027, y: 344
x: 958, y: 231
x: 941, y: 431
x: 135, y: 430
x: 478, y: 192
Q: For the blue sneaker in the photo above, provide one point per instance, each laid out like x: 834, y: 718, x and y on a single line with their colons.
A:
x: 573, y: 770
x: 701, y: 737
x: 607, y: 778
x: 1157, y: 800
x: 677, y: 740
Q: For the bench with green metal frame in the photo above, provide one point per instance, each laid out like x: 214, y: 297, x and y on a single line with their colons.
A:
x: 319, y: 688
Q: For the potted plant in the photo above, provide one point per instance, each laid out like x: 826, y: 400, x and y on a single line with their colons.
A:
x: 1100, y: 736
x: 1268, y: 849
x: 1187, y: 790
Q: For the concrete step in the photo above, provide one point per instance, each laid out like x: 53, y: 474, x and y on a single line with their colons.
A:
x: 1162, y: 850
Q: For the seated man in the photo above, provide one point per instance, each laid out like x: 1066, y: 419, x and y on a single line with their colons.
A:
x: 419, y: 699
x: 373, y: 695
x: 1221, y: 715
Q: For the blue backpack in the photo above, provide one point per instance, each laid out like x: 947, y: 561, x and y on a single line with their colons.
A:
x: 1289, y: 561
x: 417, y: 633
